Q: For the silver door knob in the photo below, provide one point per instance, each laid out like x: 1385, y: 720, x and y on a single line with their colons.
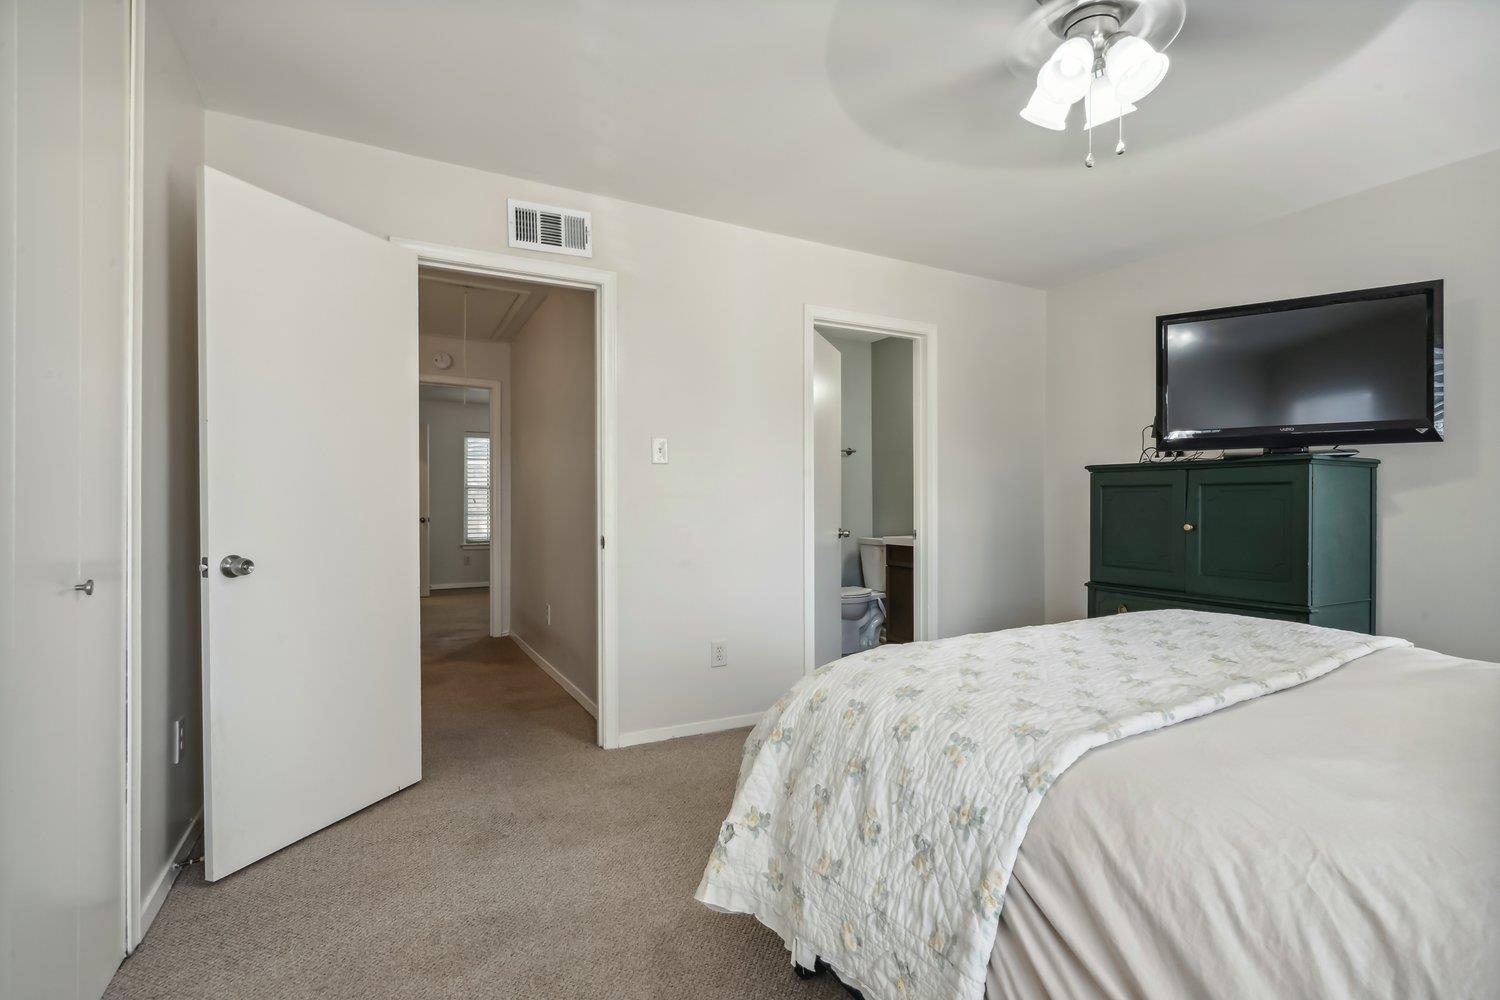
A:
x: 236, y: 566
x: 86, y: 586
x: 844, y: 532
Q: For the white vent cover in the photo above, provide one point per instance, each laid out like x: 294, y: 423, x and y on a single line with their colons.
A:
x: 555, y: 230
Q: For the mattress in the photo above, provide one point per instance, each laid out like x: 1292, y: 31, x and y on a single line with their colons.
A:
x: 1340, y: 839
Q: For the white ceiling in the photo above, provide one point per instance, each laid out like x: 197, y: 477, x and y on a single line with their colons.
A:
x: 882, y: 125
x: 473, y: 306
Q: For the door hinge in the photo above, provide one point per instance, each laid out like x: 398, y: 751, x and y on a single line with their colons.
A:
x: 601, y: 541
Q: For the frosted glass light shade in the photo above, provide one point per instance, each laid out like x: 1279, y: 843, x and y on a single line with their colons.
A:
x: 1103, y: 105
x: 1134, y: 67
x: 1064, y: 78
x: 1047, y: 113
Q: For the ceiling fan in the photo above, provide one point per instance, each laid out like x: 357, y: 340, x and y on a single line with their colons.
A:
x: 1103, y: 54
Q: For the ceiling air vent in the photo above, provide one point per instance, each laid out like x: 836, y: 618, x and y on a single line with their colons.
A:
x: 555, y: 230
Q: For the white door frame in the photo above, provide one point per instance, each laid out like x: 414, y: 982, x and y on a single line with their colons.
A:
x: 499, y: 491
x: 924, y: 459
x: 602, y: 284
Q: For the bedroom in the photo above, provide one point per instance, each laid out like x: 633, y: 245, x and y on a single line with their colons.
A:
x: 1260, y: 169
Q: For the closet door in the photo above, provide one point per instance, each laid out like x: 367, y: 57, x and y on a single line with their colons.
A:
x: 64, y: 132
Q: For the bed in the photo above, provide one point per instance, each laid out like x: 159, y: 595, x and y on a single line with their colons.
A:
x: 1330, y: 835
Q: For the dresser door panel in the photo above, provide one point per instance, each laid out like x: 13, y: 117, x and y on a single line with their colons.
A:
x: 1136, y: 521
x: 1249, y: 533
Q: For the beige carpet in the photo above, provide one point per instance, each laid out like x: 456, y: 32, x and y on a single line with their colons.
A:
x: 527, y: 863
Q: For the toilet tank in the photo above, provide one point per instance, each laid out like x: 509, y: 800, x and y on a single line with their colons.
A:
x: 872, y: 562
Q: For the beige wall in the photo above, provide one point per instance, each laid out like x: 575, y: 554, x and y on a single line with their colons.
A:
x: 891, y: 431
x: 1439, y: 547
x: 171, y: 150
x: 710, y: 356
x: 554, y: 538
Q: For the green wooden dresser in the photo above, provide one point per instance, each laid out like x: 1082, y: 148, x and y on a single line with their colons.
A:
x: 1280, y: 536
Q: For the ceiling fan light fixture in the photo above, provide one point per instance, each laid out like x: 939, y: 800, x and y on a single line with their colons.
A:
x: 1042, y: 110
x: 1064, y: 78
x: 1103, y: 104
x: 1134, y: 67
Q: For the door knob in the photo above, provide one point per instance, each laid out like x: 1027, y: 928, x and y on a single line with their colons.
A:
x: 236, y: 566
x: 844, y: 532
x: 1188, y: 527
x: 86, y: 586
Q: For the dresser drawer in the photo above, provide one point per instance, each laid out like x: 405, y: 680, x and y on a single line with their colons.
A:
x: 1116, y: 602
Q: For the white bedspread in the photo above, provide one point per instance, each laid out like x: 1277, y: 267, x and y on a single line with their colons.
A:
x: 882, y: 802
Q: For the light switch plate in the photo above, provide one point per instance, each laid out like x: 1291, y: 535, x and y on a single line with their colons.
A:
x: 658, y: 451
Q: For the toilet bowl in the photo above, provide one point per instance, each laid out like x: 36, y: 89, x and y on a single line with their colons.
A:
x: 863, y: 612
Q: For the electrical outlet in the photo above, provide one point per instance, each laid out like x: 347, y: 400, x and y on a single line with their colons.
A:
x: 718, y: 653
x: 466, y: 560
x: 179, y: 739
x: 549, y: 614
x: 659, y: 451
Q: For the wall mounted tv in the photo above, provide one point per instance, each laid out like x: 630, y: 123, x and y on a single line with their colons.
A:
x: 1359, y: 367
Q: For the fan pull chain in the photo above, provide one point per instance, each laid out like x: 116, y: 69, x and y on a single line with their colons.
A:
x: 465, y: 350
x: 1088, y: 161
x: 1120, y: 146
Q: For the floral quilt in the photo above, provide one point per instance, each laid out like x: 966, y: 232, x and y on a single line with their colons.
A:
x: 881, y: 803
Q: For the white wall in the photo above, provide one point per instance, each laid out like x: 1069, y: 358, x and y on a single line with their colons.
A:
x: 169, y: 665
x: 1439, y: 545
x: 553, y: 530
x: 856, y: 493
x: 711, y: 328
x: 453, y: 563
x: 893, y: 486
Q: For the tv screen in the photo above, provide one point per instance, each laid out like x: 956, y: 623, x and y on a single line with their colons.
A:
x: 1357, y: 367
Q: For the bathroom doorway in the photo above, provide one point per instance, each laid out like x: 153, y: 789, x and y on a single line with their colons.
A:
x: 868, y: 477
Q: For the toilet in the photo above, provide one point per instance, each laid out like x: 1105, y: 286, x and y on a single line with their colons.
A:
x: 863, y: 608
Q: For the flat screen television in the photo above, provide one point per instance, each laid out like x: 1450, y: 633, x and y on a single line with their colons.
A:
x: 1359, y: 367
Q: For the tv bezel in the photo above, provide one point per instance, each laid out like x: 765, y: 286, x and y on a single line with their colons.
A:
x: 1312, y: 434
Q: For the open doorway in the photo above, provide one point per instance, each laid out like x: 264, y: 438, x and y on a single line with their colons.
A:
x: 508, y: 453
x: 458, y: 508
x: 868, y: 475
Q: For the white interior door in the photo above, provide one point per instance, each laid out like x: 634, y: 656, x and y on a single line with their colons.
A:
x: 312, y: 674
x: 424, y: 509
x: 64, y: 132
x: 828, y: 485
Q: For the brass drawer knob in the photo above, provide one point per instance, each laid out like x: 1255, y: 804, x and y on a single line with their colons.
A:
x: 1187, y: 527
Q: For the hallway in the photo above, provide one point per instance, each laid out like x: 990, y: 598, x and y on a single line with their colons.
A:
x: 527, y: 863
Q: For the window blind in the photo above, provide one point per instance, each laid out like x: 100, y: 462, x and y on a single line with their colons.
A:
x: 476, y: 489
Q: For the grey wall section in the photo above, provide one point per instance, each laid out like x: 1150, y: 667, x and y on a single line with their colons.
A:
x: 554, y: 541
x: 447, y: 423
x: 1439, y: 546
x: 171, y: 796
x: 711, y: 330
x: 891, y: 421
x: 854, y: 413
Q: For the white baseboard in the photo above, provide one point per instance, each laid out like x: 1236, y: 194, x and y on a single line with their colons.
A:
x: 152, y: 901
x: 557, y: 675
x: 457, y: 586
x: 688, y: 729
